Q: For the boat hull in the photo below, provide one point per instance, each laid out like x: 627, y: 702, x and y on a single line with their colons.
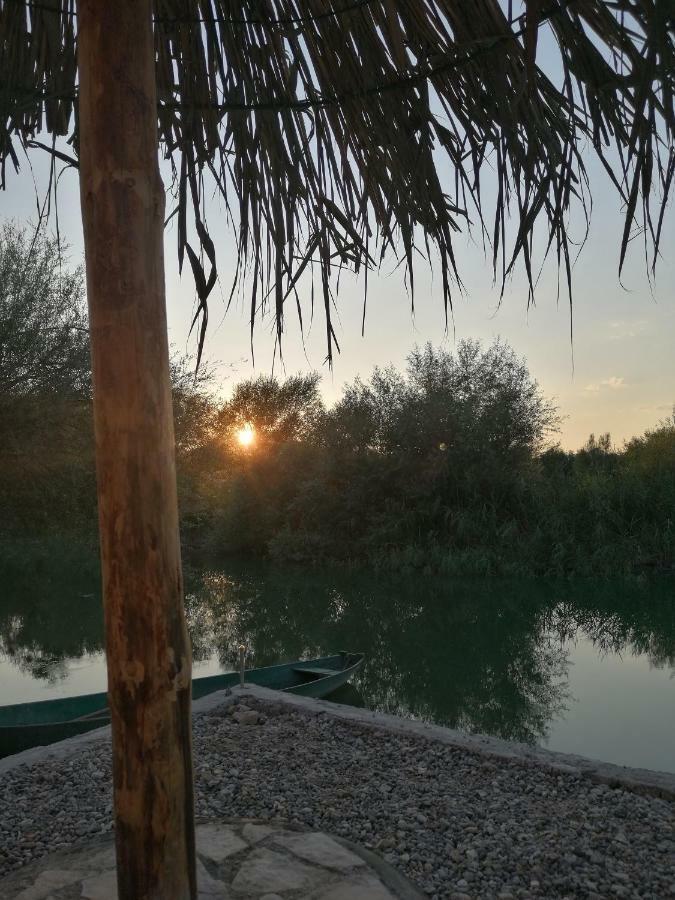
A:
x: 26, y: 725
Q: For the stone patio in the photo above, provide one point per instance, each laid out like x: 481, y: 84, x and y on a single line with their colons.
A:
x: 237, y: 860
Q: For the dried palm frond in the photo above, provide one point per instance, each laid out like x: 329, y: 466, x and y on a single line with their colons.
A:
x: 337, y: 130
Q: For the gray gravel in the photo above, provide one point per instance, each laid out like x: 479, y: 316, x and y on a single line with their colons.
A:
x: 459, y: 824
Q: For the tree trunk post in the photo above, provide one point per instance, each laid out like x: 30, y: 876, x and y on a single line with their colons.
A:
x: 147, y: 645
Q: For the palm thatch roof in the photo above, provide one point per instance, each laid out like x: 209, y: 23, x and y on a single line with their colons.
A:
x: 336, y: 130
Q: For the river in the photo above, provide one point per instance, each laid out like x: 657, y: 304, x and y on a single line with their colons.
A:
x: 578, y: 666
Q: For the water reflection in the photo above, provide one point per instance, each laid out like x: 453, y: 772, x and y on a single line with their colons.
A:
x: 49, y: 616
x: 469, y: 655
x: 637, y: 619
x: 483, y: 656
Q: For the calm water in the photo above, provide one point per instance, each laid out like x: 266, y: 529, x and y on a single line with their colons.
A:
x: 576, y: 666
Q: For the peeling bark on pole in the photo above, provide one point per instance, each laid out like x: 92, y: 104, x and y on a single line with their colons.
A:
x: 148, y: 651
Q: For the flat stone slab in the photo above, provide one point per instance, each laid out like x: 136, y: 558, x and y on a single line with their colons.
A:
x: 236, y: 860
x: 255, y: 833
x: 320, y: 849
x: 100, y: 886
x: 48, y: 880
x: 267, y: 870
x: 217, y: 842
x: 358, y: 888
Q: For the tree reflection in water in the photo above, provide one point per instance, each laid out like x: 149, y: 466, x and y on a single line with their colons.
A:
x: 484, y: 656
x: 50, y: 613
x: 481, y: 655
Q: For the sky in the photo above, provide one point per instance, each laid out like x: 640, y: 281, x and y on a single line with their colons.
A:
x: 614, y: 373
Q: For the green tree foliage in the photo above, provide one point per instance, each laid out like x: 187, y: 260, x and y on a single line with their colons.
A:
x: 195, y: 428
x: 46, y: 452
x: 278, y: 412
x: 604, y: 509
x: 259, y: 482
x: 44, y: 338
x: 446, y: 467
x: 406, y: 456
x: 47, y: 471
x: 654, y: 452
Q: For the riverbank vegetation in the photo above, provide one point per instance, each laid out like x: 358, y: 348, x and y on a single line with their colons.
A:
x: 450, y: 466
x: 447, y: 467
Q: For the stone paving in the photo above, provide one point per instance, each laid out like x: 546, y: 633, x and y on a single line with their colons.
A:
x: 236, y: 860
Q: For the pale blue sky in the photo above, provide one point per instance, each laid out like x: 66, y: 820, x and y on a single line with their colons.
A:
x: 622, y: 377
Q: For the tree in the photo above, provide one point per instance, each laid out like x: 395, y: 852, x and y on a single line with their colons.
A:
x: 654, y: 451
x: 330, y: 127
x: 497, y: 402
x: 46, y: 453
x: 405, y: 454
x: 474, y: 401
x: 262, y: 477
x: 44, y: 337
x: 277, y: 412
x: 194, y: 405
x: 198, y: 457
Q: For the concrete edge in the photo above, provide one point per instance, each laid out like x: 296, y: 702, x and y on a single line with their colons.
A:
x: 52, y: 752
x: 388, y: 875
x: 70, y: 746
x: 640, y: 781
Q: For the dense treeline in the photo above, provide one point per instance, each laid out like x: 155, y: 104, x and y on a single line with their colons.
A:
x: 441, y: 468
x: 448, y: 466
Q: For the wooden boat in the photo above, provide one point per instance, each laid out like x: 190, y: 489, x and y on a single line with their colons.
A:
x: 25, y: 725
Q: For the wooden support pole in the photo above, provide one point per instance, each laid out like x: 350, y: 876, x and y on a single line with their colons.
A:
x: 148, y: 650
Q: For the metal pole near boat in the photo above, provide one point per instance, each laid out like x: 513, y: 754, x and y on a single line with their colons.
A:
x: 242, y: 663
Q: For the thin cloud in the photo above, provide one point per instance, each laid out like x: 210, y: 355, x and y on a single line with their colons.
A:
x: 614, y: 383
x: 627, y: 329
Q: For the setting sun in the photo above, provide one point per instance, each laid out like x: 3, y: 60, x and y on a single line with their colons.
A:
x: 246, y: 435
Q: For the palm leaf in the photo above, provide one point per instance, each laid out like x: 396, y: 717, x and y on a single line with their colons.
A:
x: 334, y: 127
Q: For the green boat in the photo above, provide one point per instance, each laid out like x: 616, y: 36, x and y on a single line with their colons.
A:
x: 25, y: 725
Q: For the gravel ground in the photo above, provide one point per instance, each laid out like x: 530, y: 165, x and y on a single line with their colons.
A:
x: 459, y: 824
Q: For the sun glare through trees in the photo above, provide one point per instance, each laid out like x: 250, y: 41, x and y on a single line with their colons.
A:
x: 246, y: 436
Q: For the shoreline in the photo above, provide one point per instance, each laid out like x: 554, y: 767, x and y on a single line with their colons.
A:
x: 647, y: 782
